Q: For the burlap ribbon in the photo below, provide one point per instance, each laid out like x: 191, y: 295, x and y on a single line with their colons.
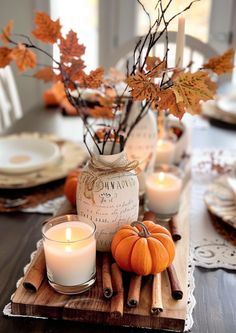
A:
x: 98, y: 168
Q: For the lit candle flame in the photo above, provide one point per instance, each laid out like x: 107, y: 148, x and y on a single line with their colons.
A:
x: 160, y: 143
x: 161, y: 176
x: 68, y: 234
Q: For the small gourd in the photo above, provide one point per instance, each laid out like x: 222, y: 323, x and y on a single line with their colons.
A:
x: 143, y: 248
x: 71, y: 186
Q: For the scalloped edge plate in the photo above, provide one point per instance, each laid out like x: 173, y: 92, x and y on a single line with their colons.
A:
x: 220, y: 201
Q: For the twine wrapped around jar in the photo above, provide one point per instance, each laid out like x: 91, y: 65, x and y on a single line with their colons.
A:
x: 98, y: 168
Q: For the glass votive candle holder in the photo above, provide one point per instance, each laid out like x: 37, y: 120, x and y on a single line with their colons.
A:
x: 165, y: 151
x: 70, y: 254
x: 163, y: 190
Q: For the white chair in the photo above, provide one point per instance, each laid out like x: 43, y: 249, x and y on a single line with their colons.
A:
x: 195, y: 50
x: 10, y: 106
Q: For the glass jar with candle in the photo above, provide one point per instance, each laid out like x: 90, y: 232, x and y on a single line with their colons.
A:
x: 163, y: 189
x: 70, y: 253
x: 165, y: 145
x: 165, y: 150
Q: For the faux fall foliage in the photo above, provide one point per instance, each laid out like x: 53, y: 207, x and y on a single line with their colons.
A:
x: 221, y: 64
x: 181, y: 92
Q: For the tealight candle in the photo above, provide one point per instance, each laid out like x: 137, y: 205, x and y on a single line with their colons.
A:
x: 70, y: 253
x: 165, y: 151
x: 163, y: 193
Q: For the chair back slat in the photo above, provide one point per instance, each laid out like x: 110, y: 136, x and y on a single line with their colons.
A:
x: 196, y: 51
x: 10, y: 106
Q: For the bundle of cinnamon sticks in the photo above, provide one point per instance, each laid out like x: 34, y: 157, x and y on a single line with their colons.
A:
x: 113, y: 288
x: 113, y: 285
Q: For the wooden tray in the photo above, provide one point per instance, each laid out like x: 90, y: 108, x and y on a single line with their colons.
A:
x: 92, y: 307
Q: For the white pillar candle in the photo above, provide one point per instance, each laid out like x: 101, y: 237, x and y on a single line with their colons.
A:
x: 70, y: 253
x: 180, y: 41
x: 163, y: 193
x: 165, y: 150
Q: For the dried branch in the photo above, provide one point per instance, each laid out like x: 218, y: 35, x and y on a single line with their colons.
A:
x: 71, y: 74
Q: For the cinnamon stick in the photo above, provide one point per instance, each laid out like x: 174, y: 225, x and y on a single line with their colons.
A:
x: 157, y: 305
x: 106, y: 276
x: 176, y: 290
x: 149, y: 216
x: 174, y: 228
x: 36, y: 272
x: 134, y: 291
x: 117, y: 301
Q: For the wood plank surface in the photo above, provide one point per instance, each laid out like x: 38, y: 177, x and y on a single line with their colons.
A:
x: 92, y: 307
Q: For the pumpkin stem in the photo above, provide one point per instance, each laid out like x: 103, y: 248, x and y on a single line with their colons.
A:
x: 144, y: 231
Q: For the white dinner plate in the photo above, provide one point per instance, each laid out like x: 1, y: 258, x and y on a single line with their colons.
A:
x: 220, y: 201
x: 21, y: 155
x: 227, y: 103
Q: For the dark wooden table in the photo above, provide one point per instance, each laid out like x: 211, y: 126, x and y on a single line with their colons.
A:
x: 215, y: 311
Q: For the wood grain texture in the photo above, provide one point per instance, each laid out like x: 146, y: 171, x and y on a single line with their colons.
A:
x: 92, y: 307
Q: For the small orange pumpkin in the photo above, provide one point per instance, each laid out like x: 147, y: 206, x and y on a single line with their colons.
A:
x: 143, y: 248
x: 71, y: 186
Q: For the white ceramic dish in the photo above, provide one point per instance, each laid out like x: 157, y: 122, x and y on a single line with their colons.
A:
x: 227, y: 103
x: 220, y: 200
x: 21, y: 155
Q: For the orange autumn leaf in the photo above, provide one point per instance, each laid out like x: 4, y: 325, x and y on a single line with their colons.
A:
x: 191, y: 88
x: 6, y: 32
x: 23, y: 57
x: 46, y: 74
x: 101, y: 112
x: 105, y: 132
x: 46, y: 30
x: 115, y: 76
x: 221, y: 64
x: 92, y: 80
x: 155, y: 66
x: 5, y: 56
x: 142, y: 87
x: 106, y: 101
x: 74, y: 70
x: 70, y: 47
x: 212, y: 86
x: 167, y: 101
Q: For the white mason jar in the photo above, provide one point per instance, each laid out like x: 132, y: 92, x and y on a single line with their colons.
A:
x: 108, y: 195
x: 141, y: 144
